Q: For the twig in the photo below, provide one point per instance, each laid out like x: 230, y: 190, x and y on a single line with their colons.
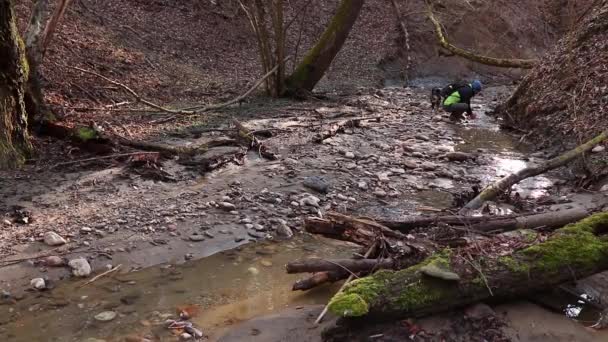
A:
x: 348, y: 280
x: 478, y: 269
x: 130, y: 91
x: 101, y: 275
x: 200, y: 109
x: 100, y: 158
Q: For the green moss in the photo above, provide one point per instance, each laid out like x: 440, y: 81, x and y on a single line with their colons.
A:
x: 86, y: 133
x: 575, y: 246
x: 25, y: 65
x: 348, y: 305
x: 515, y: 265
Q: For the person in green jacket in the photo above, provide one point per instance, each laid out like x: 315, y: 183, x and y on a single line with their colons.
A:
x: 459, y: 101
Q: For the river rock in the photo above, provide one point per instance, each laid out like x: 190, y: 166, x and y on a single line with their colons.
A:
x: 196, y: 238
x: 458, y: 156
x: 227, y: 206
x: 310, y: 200
x: 428, y: 166
x: 349, y: 155
x: 380, y: 193
x: 38, y: 284
x: 284, y: 231
x: 316, y: 183
x: 383, y: 177
x: 598, y: 149
x: 422, y: 137
x: 105, y: 316
x: 53, y: 239
x: 54, y: 261
x: 362, y: 185
x: 410, y: 164
x: 80, y: 267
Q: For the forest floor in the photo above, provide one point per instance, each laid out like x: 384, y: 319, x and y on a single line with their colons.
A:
x: 393, y: 165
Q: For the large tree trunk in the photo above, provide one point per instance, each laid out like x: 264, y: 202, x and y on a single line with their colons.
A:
x: 316, y: 62
x: 14, y: 140
x: 572, y: 252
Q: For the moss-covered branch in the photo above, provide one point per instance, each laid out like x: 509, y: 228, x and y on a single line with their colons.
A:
x: 499, y: 62
x: 493, y: 190
x: 572, y: 252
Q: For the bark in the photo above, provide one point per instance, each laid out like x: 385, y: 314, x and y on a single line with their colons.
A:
x: 51, y: 26
x: 493, y: 190
x: 571, y: 253
x: 349, y: 265
x: 318, y: 59
x: 14, y: 139
x: 491, y: 223
x: 498, y: 62
x: 319, y: 279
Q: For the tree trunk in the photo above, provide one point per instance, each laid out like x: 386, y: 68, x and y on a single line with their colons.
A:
x: 14, y: 139
x: 572, y: 252
x: 34, y: 96
x: 495, y: 189
x: 318, y: 59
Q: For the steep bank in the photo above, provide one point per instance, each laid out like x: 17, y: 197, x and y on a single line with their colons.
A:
x: 564, y: 100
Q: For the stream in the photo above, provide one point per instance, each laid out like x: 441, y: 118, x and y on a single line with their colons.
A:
x: 232, y: 286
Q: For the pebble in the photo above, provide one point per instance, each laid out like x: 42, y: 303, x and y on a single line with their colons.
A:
x: 362, y: 185
x: 85, y: 230
x: 105, y: 316
x: 604, y: 188
x: 227, y: 206
x: 422, y: 137
x: 80, y: 267
x: 458, y: 156
x: 310, y: 200
x: 266, y: 263
x: 53, y: 261
x: 383, y: 177
x: 342, y: 197
x: 598, y: 149
x: 349, y: 155
x: 410, y: 164
x: 428, y: 166
x: 380, y: 193
x: 253, y: 271
x: 196, y: 238
x: 38, y: 284
x: 53, y: 239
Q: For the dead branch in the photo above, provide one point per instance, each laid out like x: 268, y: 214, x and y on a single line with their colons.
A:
x: 352, y: 265
x: 319, y: 279
x: 499, y: 62
x: 99, y: 276
x: 137, y: 97
x: 253, y: 141
x: 495, y: 189
x: 336, y: 128
x: 120, y: 155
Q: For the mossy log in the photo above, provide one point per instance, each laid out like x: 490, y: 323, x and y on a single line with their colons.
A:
x: 572, y: 252
x: 318, y: 59
x: 498, y: 62
x: 495, y: 189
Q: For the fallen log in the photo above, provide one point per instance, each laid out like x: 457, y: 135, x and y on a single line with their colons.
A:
x: 551, y: 219
x: 493, y: 190
x: 447, y: 279
x: 319, y: 279
x: 348, y: 265
x: 253, y: 141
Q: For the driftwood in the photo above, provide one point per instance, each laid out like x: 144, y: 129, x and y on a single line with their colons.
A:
x: 551, y: 219
x: 449, y: 279
x: 495, y: 189
x: 499, y: 62
x: 336, y: 128
x: 348, y: 265
x: 253, y: 141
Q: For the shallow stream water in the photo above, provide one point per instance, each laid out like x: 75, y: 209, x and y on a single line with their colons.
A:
x: 235, y: 285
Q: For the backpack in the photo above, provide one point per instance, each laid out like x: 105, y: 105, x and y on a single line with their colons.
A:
x: 452, y: 87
